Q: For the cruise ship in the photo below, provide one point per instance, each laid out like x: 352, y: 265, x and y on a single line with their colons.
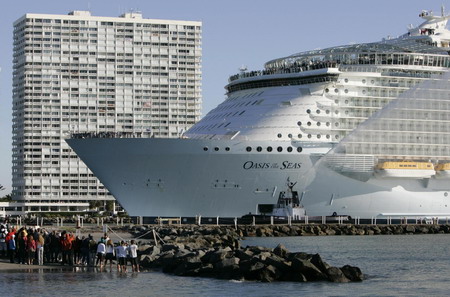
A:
x: 361, y: 130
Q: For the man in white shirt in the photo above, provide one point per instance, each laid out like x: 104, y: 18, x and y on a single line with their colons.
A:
x: 132, y: 249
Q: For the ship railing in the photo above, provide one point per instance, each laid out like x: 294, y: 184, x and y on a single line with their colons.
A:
x: 294, y: 68
x: 110, y: 135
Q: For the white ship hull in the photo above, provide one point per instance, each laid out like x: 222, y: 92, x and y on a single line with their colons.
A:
x: 377, y: 197
x: 176, y: 177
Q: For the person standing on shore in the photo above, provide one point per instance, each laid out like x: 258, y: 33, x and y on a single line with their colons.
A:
x: 22, y: 246
x: 132, y: 250
x: 31, y: 249
x: 11, y: 245
x: 101, y: 251
x: 122, y: 254
x: 40, y: 248
x: 3, y: 246
x: 110, y: 255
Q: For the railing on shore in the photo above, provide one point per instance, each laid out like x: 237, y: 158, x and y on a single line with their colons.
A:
x: 271, y: 220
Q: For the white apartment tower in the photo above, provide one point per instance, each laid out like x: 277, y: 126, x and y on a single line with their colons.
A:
x: 79, y: 73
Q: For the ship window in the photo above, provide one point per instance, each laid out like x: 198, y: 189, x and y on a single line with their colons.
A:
x: 299, y: 149
x: 290, y: 135
x: 328, y: 136
x: 336, y: 90
x: 216, y: 149
x: 327, y: 90
x: 259, y: 148
x: 299, y: 123
x: 346, y: 80
x: 336, y: 124
x: 279, y: 135
x: 309, y: 123
x: 337, y: 136
x: 336, y: 101
x: 279, y: 149
x: 205, y: 148
x: 308, y: 111
x: 327, y: 111
x: 309, y: 135
x: 372, y: 81
x: 227, y: 149
x: 328, y: 124
x: 364, y: 91
x: 318, y: 123
x: 249, y: 149
x: 363, y: 81
x: 318, y: 111
x: 299, y: 136
x: 346, y: 101
x: 289, y: 149
x: 269, y: 148
x: 318, y: 136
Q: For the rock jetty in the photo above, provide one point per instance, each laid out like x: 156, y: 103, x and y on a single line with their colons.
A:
x: 216, y: 252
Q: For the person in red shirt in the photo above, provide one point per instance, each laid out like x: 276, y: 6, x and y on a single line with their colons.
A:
x: 31, y: 249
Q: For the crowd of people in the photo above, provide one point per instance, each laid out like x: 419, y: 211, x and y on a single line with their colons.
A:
x: 38, y: 246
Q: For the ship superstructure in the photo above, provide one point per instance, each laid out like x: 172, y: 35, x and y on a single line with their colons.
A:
x: 277, y: 124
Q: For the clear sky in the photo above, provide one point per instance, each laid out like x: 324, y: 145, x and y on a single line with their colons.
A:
x: 235, y: 33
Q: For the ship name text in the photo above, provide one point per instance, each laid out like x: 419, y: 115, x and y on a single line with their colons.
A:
x: 249, y: 165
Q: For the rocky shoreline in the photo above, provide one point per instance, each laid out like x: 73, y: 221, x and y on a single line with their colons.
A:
x: 209, y: 251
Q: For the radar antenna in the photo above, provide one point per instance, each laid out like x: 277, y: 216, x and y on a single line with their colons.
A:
x: 243, y: 68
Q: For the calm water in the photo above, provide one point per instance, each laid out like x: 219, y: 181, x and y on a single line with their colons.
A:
x: 414, y: 265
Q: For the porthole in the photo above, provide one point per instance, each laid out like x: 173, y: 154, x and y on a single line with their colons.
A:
x: 328, y: 136
x: 309, y: 135
x: 205, y: 148
x: 299, y: 136
x: 289, y: 149
x: 308, y: 111
x: 299, y: 123
x: 216, y: 149
x: 318, y: 111
x: 346, y: 101
x: 328, y: 124
x: 249, y: 148
x: 279, y: 135
x: 299, y: 149
x: 346, y: 80
x: 363, y: 81
x: 372, y: 81
x: 346, y: 112
x: 336, y: 90
x: 227, y: 149
x: 446, y: 194
x: 346, y: 91
x: 327, y: 111
x: 336, y: 124
x: 308, y: 123
x: 336, y: 111
x: 327, y: 90
x: 279, y: 149
x: 336, y: 101
x: 337, y: 137
x: 269, y: 148
x: 259, y: 148
x: 318, y: 124
x: 364, y: 91
x: 290, y: 135
x: 318, y: 136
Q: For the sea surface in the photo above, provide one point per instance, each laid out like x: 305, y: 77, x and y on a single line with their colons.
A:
x: 395, y: 265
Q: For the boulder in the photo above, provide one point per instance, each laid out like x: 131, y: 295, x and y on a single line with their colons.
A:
x: 353, y: 273
x: 335, y: 275
x: 309, y: 270
x: 280, y: 250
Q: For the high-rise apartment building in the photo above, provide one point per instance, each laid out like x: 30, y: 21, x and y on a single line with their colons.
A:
x: 79, y: 73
